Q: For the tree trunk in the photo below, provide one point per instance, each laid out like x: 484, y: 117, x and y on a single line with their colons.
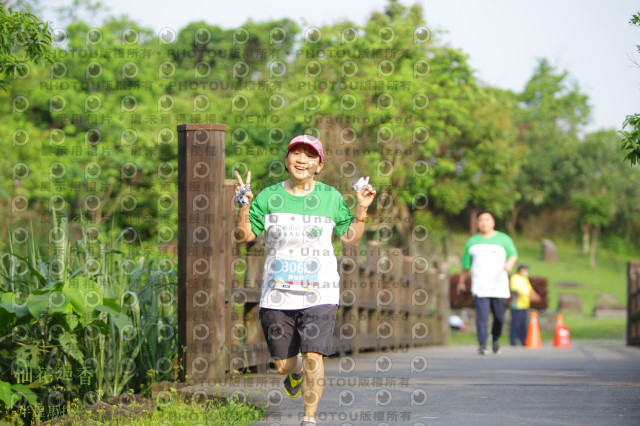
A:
x: 473, y: 222
x: 594, y: 245
x: 445, y: 248
x: 405, y: 227
x: 512, y: 218
x: 585, y: 237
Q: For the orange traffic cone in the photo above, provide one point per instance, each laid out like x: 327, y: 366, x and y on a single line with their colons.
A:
x: 533, y: 334
x: 562, y: 337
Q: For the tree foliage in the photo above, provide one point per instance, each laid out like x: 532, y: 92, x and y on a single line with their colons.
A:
x: 23, y: 38
x: 630, y: 132
x: 94, y: 133
x: 550, y: 113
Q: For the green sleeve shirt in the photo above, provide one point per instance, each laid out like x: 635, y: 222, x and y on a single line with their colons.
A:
x: 486, y: 257
x: 300, y: 268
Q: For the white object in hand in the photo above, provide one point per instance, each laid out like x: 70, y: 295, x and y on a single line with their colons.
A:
x: 360, y: 184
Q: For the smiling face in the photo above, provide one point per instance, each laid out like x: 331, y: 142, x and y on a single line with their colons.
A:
x: 303, y: 162
x: 486, y: 223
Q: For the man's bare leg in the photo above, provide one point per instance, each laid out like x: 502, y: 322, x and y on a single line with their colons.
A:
x: 312, y: 383
x: 289, y: 365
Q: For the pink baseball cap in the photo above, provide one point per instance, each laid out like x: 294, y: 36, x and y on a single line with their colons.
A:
x: 308, y: 140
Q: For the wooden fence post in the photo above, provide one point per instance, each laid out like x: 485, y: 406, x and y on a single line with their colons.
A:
x: 345, y: 332
x: 396, y: 314
x: 374, y: 314
x: 633, y: 303
x: 201, y: 251
x: 444, y: 304
x: 230, y: 256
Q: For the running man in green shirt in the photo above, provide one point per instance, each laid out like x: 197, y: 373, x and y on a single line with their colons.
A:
x: 300, y: 282
x: 490, y: 255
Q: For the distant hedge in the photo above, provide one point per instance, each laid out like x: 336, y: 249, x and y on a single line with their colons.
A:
x: 465, y: 300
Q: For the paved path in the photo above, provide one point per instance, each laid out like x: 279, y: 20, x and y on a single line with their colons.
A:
x: 592, y: 383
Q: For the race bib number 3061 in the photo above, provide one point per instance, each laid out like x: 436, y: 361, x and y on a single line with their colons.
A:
x: 296, y: 272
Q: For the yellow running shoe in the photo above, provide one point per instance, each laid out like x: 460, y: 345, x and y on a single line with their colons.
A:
x: 293, y: 386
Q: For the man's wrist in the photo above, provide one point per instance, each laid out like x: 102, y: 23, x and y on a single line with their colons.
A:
x: 361, y: 211
x: 360, y: 215
x: 361, y: 218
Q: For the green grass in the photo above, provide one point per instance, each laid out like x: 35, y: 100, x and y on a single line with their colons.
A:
x: 580, y: 327
x: 179, y: 413
x: 589, y: 327
x: 169, y: 411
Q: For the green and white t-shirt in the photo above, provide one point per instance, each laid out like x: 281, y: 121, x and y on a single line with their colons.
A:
x: 301, y: 269
x: 486, y: 258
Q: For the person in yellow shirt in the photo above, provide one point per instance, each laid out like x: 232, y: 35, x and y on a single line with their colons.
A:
x: 521, y: 296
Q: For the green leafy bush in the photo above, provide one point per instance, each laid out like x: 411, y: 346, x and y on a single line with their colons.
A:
x: 87, y: 323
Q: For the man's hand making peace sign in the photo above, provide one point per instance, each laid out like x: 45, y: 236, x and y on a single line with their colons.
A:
x: 243, y: 191
x: 366, y: 195
x: 243, y: 232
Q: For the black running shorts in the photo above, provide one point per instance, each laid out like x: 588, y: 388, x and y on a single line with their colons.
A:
x: 289, y: 332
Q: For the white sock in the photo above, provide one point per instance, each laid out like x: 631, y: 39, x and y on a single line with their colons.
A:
x: 298, y: 367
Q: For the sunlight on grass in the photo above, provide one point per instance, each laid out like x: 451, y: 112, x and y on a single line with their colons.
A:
x: 580, y: 327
